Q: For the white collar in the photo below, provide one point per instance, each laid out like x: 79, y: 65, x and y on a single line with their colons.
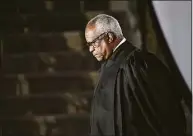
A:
x: 122, y: 41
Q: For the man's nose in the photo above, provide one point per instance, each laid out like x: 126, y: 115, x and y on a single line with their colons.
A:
x: 91, y: 48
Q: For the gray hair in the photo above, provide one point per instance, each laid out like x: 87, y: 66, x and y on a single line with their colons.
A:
x: 106, y: 23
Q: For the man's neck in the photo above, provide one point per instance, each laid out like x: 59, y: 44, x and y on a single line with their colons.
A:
x: 119, y: 43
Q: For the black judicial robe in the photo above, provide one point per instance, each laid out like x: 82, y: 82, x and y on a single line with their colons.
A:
x: 135, y: 96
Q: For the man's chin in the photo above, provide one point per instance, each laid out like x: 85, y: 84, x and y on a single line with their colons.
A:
x: 99, y: 58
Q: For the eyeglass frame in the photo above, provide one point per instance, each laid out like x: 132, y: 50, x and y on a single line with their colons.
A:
x: 100, y: 37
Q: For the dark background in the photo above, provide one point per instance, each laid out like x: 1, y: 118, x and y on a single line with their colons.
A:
x: 47, y: 75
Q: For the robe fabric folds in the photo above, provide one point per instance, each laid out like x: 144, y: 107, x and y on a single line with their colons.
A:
x: 136, y: 96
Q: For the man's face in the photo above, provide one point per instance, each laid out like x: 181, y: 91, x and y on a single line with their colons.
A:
x: 98, y: 44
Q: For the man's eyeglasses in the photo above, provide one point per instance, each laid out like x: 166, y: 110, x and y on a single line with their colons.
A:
x: 96, y: 40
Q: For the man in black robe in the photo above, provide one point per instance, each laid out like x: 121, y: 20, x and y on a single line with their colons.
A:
x: 135, y: 94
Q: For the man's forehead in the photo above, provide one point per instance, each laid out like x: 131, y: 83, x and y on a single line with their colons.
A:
x: 90, y: 33
x: 90, y: 29
x: 89, y: 26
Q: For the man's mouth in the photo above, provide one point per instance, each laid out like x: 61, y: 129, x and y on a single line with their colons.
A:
x: 97, y: 55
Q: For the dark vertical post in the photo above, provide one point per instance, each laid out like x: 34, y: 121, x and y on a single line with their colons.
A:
x: 142, y: 11
x: 1, y: 56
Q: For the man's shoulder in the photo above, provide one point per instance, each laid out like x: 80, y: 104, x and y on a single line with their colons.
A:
x: 144, y: 60
x: 138, y: 56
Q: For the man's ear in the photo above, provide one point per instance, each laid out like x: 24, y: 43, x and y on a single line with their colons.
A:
x: 110, y: 37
